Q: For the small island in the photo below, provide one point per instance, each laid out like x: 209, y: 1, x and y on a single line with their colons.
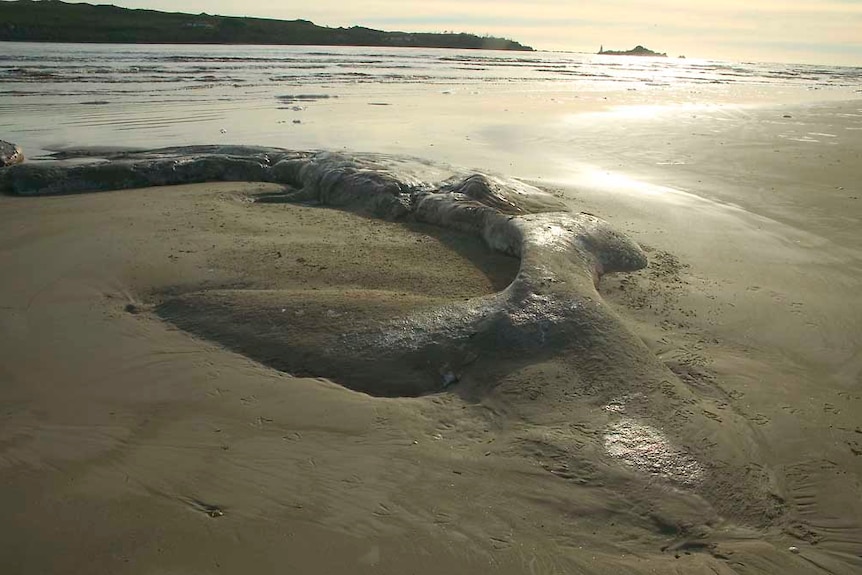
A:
x: 636, y: 51
x: 55, y: 21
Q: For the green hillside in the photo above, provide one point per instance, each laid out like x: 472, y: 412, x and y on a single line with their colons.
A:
x: 55, y: 21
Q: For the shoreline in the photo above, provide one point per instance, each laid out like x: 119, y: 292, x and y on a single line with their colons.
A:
x: 749, y: 301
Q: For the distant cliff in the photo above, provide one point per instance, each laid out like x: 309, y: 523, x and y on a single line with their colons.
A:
x: 636, y: 51
x: 55, y: 21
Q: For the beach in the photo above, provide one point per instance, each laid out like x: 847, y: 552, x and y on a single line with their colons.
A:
x: 137, y: 437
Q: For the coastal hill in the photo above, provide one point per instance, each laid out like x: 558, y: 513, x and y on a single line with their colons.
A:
x: 636, y: 51
x: 55, y: 21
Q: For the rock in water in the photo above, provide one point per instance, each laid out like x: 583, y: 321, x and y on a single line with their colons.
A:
x: 10, y: 154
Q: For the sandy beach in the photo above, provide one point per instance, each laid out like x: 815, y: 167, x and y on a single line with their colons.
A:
x: 138, y: 438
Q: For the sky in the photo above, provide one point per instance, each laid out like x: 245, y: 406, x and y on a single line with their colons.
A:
x: 800, y: 31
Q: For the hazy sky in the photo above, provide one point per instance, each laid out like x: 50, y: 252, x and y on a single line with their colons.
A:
x: 813, y: 31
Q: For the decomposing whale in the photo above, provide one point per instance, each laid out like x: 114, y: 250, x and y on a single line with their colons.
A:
x: 612, y: 401
x: 562, y: 254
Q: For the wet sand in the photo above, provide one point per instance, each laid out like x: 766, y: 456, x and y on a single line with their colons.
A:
x: 129, y: 446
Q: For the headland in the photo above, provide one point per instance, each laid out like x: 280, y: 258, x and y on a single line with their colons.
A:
x: 56, y: 21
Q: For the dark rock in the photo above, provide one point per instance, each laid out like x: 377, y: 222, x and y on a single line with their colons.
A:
x: 636, y: 51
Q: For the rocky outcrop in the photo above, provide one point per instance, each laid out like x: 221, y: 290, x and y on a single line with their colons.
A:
x: 636, y: 51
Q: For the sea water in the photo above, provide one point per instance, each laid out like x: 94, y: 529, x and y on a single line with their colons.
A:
x: 448, y: 105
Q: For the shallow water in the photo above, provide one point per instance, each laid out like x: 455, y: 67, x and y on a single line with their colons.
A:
x: 124, y: 69
x: 366, y: 99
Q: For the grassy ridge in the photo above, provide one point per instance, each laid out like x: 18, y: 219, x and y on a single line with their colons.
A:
x: 55, y: 21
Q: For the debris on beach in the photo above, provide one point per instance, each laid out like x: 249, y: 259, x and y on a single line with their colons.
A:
x: 10, y: 154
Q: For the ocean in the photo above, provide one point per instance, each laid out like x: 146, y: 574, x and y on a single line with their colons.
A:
x: 53, y: 96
